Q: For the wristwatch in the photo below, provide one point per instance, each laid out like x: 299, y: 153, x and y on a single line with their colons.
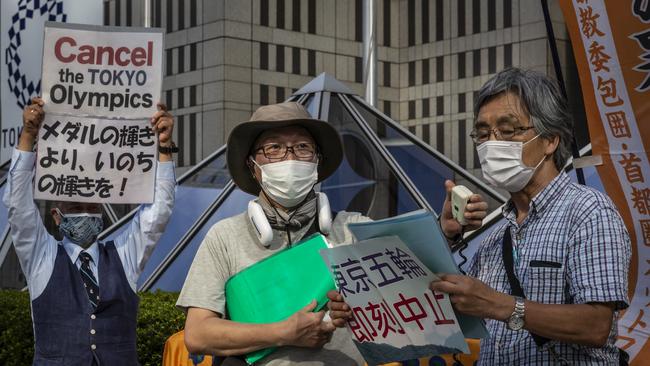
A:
x: 168, y: 149
x: 516, y: 319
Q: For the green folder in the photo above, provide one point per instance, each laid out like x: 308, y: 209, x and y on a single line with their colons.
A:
x: 278, y: 286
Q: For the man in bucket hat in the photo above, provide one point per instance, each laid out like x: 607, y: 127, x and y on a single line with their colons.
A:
x: 279, y: 155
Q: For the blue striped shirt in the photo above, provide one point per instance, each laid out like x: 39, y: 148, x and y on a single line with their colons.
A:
x: 572, y: 248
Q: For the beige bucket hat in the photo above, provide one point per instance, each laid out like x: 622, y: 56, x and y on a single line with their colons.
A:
x: 242, y: 138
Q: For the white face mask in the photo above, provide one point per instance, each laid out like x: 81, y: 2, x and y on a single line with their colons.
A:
x: 288, y: 182
x: 502, y: 164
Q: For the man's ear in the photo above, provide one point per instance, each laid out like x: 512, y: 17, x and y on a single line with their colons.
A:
x: 553, y: 143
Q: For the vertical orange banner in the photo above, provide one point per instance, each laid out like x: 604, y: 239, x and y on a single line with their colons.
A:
x: 611, y: 42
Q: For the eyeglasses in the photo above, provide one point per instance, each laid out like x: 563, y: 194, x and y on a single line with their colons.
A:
x: 503, y: 132
x: 279, y: 151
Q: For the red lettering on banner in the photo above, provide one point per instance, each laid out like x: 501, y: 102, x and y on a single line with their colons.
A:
x: 588, y: 22
x: 608, y: 94
x: 387, y: 322
x: 361, y: 327
x: 641, y: 199
x: 598, y: 57
x: 645, y: 228
x: 413, y: 314
x: 633, y: 171
x: 438, y: 313
x: 618, y: 124
x: 64, y: 51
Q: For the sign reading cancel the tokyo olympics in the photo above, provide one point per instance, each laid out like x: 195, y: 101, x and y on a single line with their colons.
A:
x: 21, y: 39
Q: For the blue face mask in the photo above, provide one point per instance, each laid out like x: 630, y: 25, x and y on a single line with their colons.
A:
x: 82, y: 228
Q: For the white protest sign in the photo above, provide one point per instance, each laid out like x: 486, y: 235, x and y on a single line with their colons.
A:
x: 21, y: 37
x: 108, y: 72
x: 90, y: 160
x: 100, y: 87
x: 395, y: 316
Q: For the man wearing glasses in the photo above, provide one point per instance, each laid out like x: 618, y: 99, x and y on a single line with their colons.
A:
x: 278, y: 156
x: 551, y: 279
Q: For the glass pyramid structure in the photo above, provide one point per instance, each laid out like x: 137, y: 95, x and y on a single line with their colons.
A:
x: 386, y: 171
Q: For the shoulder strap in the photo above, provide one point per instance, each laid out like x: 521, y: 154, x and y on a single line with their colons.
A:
x: 515, y: 286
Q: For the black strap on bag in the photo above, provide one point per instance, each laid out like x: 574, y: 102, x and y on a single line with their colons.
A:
x: 515, y: 286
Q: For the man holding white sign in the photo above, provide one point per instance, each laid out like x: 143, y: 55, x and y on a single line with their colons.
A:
x: 96, y: 143
x: 83, y: 292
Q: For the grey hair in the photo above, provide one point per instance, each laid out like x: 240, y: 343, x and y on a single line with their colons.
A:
x: 541, y: 99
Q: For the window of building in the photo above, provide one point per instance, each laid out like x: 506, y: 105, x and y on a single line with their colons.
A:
x: 295, y: 60
x: 358, y: 20
x: 461, y: 65
x: 358, y: 69
x: 425, y: 21
x: 440, y: 105
x: 411, y: 129
x: 507, y: 13
x: 462, y: 108
x: 264, y: 94
x: 193, y: 17
x: 462, y: 143
x: 411, y: 109
x: 193, y: 101
x: 157, y: 14
x: 476, y: 62
x: 168, y: 62
x: 440, y: 68
x: 492, y: 60
x: 181, y: 98
x: 279, y: 14
x: 386, y: 25
x: 264, y: 56
x: 461, y: 17
x: 193, y: 57
x: 295, y: 22
x: 118, y: 12
x: 425, y: 71
x: 492, y: 15
x: 440, y: 21
x: 192, y: 145
x: 440, y: 137
x: 181, y: 59
x: 279, y: 58
x: 425, y: 108
x: 129, y: 13
x: 411, y: 24
x: 386, y: 67
x: 411, y: 73
x: 311, y: 16
x: 264, y: 12
x: 170, y: 17
x: 168, y: 99
x: 180, y: 15
x: 476, y: 16
x: 279, y: 94
x: 426, y: 133
x: 387, y: 110
x: 311, y: 62
x: 507, y: 55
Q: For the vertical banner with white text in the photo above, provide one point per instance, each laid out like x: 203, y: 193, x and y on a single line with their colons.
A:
x: 611, y: 43
x: 100, y: 87
x: 21, y: 37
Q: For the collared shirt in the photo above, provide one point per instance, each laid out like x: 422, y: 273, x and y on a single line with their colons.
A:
x: 572, y: 248
x: 36, y: 248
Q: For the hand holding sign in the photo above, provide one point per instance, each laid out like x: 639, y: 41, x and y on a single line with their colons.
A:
x: 307, y: 329
x: 473, y: 297
x: 32, y: 118
x: 162, y: 123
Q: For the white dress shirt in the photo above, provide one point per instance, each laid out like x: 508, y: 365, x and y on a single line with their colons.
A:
x: 37, y: 249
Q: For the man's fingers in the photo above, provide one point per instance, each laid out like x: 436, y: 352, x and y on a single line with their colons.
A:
x: 448, y: 186
x: 442, y: 286
x: 310, y: 307
x: 162, y: 107
x: 334, y: 295
x: 475, y: 198
x: 327, y: 327
x: 338, y: 305
x: 339, y: 323
x: 38, y: 101
x: 340, y: 314
x: 320, y: 315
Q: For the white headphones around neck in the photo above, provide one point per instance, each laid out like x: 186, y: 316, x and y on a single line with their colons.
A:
x: 264, y: 231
